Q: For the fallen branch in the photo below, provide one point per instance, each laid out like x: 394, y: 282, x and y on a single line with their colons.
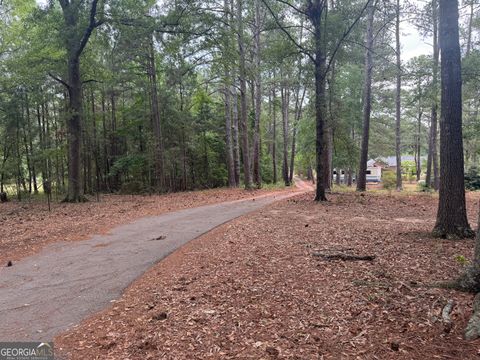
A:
x: 447, y: 320
x: 345, y: 257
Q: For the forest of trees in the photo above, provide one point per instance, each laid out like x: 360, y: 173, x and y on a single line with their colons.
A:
x: 158, y: 96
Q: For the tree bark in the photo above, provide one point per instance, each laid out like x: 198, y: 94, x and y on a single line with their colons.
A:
x: 432, y: 159
x: 452, y: 219
x: 228, y: 111
x: 157, y: 126
x: 243, y: 98
x: 228, y: 135
x: 314, y: 12
x: 257, y: 178
x: 274, y: 136
x: 236, y: 142
x: 76, y: 39
x: 470, y: 26
x: 367, y: 102
x: 398, y: 103
x: 285, y: 92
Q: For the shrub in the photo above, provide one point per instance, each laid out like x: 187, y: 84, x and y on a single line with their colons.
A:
x: 389, y: 180
x: 472, y: 179
x: 422, y: 186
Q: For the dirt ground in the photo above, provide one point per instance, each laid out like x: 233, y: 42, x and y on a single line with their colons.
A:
x: 253, y: 289
x: 26, y: 227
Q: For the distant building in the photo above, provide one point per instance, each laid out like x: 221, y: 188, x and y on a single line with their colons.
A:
x: 391, y: 161
x: 376, y: 166
x: 374, y: 170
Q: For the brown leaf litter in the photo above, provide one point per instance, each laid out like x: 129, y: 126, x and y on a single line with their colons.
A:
x: 26, y: 227
x: 251, y: 289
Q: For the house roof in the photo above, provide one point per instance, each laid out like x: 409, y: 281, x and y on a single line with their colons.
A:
x: 391, y: 161
x: 371, y: 163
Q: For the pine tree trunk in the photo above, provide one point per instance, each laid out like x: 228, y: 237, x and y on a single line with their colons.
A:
x: 243, y: 99
x: 419, y: 145
x: 432, y: 160
x: 274, y: 136
x: 228, y: 136
x: 398, y: 105
x: 257, y: 178
x: 236, y: 143
x: 315, y: 13
x: 157, y: 127
x: 367, y: 102
x: 285, y: 129
x: 452, y: 215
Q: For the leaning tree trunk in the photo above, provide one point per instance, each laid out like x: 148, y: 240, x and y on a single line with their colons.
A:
x: 367, y: 102
x: 452, y: 219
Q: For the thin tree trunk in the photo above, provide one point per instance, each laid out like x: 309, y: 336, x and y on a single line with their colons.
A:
x: 228, y: 136
x: 257, y: 178
x: 228, y: 113
x: 367, y: 102
x: 243, y: 98
x: 157, y: 127
x: 432, y: 160
x: 470, y: 26
x: 419, y: 145
x: 328, y: 156
x: 30, y: 141
x: 274, y: 136
x: 236, y: 141
x: 398, y: 103
x: 285, y: 92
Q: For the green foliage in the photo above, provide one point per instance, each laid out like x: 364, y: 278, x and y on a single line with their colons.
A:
x: 462, y: 260
x: 131, y: 166
x: 409, y: 169
x: 389, y: 180
x: 472, y: 179
x: 422, y: 187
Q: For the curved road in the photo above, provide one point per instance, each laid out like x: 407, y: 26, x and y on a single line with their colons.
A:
x: 45, y: 294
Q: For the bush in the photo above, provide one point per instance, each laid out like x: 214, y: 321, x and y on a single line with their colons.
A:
x: 472, y: 179
x: 133, y: 187
x: 422, y: 186
x: 389, y: 180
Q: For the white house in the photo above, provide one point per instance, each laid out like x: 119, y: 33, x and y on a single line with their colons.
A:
x: 374, y: 171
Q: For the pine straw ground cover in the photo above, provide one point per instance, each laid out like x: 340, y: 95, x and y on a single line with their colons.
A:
x: 26, y: 227
x: 252, y: 289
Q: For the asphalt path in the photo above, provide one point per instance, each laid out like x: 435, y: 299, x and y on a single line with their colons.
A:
x: 43, y: 295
